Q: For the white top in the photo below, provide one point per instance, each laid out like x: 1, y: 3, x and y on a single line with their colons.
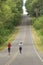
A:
x: 20, y: 45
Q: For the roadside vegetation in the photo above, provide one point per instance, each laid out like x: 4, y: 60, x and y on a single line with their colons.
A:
x: 10, y: 17
x: 35, y: 10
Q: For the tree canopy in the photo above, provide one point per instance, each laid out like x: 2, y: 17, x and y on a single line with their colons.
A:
x: 10, y: 16
x: 34, y: 6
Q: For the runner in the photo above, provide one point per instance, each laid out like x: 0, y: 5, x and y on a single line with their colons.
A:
x: 9, y: 47
x: 20, y: 47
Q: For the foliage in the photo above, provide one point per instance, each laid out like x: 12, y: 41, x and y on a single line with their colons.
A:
x: 10, y: 16
x: 38, y: 24
x: 32, y: 5
x: 35, y: 9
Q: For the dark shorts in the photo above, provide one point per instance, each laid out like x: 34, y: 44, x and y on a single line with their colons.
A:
x: 8, y: 49
x: 20, y: 48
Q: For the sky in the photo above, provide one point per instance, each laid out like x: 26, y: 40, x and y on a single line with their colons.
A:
x: 24, y: 1
x: 24, y: 8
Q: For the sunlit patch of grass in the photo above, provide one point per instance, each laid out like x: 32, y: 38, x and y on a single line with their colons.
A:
x: 11, y: 38
x: 37, y: 40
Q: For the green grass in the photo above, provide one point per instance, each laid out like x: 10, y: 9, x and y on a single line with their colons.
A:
x: 10, y: 38
x: 38, y: 39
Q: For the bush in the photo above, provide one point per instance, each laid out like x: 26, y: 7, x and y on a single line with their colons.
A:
x: 38, y: 24
x: 32, y: 20
x: 41, y: 31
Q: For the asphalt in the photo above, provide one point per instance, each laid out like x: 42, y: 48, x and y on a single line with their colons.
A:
x: 28, y: 56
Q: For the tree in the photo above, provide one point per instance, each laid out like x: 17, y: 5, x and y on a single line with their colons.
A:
x: 33, y: 5
x: 10, y: 16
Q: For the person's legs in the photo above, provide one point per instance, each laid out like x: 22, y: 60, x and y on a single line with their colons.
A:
x: 20, y: 49
x: 9, y: 51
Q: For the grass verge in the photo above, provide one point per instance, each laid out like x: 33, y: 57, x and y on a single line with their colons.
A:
x: 11, y: 38
x: 37, y: 40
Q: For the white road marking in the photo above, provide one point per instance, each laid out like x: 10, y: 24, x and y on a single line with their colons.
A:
x: 35, y: 49
x: 38, y: 54
x: 15, y: 55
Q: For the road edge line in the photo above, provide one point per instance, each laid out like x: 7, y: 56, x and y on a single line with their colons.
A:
x: 36, y: 50
x: 38, y: 54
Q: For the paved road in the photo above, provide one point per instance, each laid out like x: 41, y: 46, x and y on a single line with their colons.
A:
x: 28, y: 56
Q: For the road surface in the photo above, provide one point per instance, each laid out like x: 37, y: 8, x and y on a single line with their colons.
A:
x: 28, y: 56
